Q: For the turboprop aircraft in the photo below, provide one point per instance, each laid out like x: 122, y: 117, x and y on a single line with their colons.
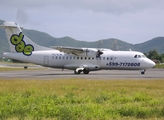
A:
x: 77, y: 59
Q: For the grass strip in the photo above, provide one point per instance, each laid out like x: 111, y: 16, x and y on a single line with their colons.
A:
x: 81, y: 99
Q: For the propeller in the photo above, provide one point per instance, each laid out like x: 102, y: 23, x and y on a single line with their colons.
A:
x: 99, y: 52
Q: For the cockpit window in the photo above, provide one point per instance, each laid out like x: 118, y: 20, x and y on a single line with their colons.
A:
x: 139, y: 56
x: 143, y: 56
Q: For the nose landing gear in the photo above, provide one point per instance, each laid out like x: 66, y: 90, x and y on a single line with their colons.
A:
x: 143, y: 72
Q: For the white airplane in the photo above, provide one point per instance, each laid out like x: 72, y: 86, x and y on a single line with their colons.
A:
x: 77, y: 59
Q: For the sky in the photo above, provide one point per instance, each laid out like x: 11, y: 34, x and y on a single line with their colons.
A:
x: 132, y: 21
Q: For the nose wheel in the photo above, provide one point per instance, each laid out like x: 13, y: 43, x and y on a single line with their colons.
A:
x: 143, y: 72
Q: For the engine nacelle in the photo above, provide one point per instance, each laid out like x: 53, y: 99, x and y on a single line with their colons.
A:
x: 90, y: 52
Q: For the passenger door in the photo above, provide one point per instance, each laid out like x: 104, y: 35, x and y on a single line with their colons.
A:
x: 46, y: 60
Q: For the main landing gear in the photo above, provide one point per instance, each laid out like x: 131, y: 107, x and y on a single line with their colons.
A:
x: 85, y: 71
x: 143, y: 72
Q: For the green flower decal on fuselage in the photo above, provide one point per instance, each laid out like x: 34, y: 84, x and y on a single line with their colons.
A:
x: 20, y: 45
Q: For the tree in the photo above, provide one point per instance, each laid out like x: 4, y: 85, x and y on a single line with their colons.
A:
x: 162, y: 58
x: 153, y: 55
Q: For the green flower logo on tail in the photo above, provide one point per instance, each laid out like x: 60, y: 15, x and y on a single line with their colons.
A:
x: 20, y: 45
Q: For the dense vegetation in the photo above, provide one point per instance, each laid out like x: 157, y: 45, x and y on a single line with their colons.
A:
x: 72, y: 99
x: 155, y: 56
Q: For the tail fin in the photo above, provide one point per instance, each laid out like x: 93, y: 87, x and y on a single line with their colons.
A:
x: 18, y: 42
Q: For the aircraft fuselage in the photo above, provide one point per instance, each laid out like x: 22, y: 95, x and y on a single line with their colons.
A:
x: 124, y: 60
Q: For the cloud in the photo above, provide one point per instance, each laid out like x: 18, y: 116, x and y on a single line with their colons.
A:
x: 133, y: 21
x: 106, y: 6
x: 22, y: 16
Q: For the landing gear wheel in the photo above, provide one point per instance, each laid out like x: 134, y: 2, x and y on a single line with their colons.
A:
x: 86, y: 71
x: 143, y: 72
x: 77, y: 72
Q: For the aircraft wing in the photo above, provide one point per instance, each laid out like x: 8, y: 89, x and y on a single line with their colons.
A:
x: 69, y: 50
x: 85, y: 52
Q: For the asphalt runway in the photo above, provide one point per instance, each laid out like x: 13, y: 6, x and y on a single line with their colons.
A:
x: 52, y: 74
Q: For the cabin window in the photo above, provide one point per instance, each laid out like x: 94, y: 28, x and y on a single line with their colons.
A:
x: 74, y: 57
x: 92, y: 58
x: 107, y: 58
x: 59, y: 57
x: 56, y: 57
x: 53, y: 56
x: 67, y: 57
x: 70, y: 57
x: 77, y: 57
x: 135, y: 56
x: 63, y: 57
x: 103, y: 58
x: 89, y: 58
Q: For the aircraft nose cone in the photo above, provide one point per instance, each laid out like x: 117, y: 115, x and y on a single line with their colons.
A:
x: 151, y: 63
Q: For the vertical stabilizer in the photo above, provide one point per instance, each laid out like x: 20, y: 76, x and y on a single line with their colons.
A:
x: 18, y: 42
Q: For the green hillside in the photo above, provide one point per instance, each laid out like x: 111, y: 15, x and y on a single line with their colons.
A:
x: 4, y: 46
x: 45, y: 39
x: 156, y: 43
